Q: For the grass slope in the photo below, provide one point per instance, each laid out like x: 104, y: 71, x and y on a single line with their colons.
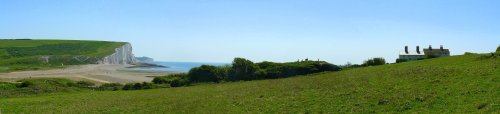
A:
x: 28, y: 54
x: 458, y: 84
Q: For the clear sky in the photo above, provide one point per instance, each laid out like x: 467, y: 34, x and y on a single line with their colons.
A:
x: 274, y: 30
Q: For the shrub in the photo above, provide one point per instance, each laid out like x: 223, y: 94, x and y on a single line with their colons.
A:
x: 374, y: 62
x: 324, y: 66
x: 137, y: 86
x: 173, y: 80
x: 379, y: 61
x: 25, y: 83
x: 242, y: 69
x: 261, y: 74
x: 110, y: 86
x: 400, y: 60
x: 469, y: 53
x: 206, y: 73
x: 128, y: 86
x: 85, y: 83
x: 146, y: 85
x: 177, y: 82
x: 430, y: 56
x: 278, y: 70
x: 159, y: 80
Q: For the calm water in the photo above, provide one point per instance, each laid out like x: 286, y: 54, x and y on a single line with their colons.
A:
x: 177, y: 66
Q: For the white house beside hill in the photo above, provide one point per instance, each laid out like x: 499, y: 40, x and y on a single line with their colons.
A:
x: 417, y: 54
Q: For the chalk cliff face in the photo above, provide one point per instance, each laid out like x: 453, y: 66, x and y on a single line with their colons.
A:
x: 122, y: 55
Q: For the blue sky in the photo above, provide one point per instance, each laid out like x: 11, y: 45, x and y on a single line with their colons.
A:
x: 273, y: 30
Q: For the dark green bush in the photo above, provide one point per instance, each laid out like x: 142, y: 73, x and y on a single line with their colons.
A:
x: 207, y: 73
x: 85, y: 83
x: 430, y: 56
x: 128, y: 86
x: 270, y: 70
x: 173, y: 80
x: 159, y: 80
x: 110, y: 86
x: 374, y: 62
x: 400, y: 60
x: 146, y: 85
x: 242, y: 69
x: 137, y: 86
x: 177, y: 82
x: 25, y: 83
x: 498, y: 49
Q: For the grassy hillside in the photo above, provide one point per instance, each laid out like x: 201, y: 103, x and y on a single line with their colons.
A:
x: 35, y: 86
x: 29, y: 54
x: 458, y: 84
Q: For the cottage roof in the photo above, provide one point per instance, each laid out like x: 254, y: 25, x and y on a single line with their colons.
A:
x: 411, y: 53
x: 437, y: 51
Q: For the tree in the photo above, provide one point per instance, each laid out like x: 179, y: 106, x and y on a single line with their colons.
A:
x: 498, y: 49
x: 147, y: 85
x: 128, y: 86
x: 242, y: 69
x: 137, y: 86
x: 159, y: 80
x: 374, y: 62
x: 206, y: 73
x: 379, y: 61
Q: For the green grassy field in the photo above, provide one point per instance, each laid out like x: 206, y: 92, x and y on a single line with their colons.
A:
x: 27, y: 54
x: 457, y: 84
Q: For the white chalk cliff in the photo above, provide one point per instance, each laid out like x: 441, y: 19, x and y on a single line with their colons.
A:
x: 122, y: 55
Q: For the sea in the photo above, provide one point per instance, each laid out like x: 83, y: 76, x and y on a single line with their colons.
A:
x: 176, y: 66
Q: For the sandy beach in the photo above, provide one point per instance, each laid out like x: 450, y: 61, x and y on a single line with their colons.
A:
x: 96, y: 73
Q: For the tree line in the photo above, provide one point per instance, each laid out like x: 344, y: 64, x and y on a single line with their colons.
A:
x: 244, y: 69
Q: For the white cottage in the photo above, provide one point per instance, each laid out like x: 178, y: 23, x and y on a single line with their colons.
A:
x: 411, y: 55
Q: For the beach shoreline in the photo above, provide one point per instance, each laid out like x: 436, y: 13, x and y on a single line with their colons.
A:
x: 99, y: 73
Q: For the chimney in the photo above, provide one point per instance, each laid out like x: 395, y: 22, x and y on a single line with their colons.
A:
x: 430, y: 47
x: 406, y: 49
x: 441, y: 48
x: 418, y: 49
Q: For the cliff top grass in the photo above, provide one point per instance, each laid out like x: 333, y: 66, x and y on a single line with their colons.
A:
x: 28, y: 54
x: 77, y: 47
x: 456, y: 84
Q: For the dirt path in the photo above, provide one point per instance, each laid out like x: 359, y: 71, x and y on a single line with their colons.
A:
x: 96, y: 73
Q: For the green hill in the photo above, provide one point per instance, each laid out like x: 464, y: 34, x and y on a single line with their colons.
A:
x: 39, y: 54
x: 457, y: 84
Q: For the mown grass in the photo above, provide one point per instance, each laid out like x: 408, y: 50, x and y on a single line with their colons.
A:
x: 457, y: 84
x: 18, y: 55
